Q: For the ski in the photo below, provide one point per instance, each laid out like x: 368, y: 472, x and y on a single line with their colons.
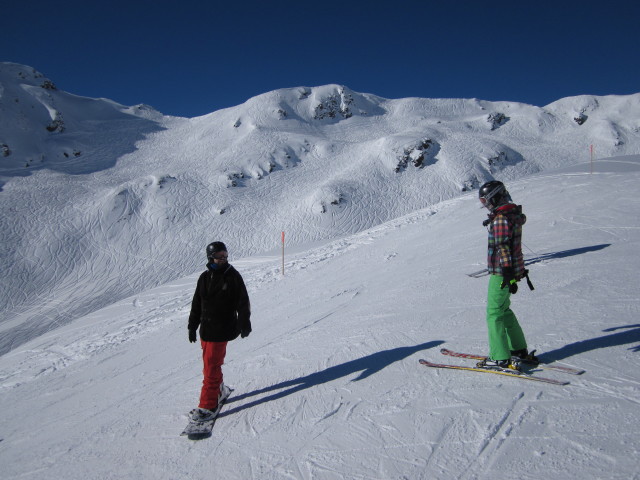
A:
x: 485, y: 271
x: 546, y: 366
x: 509, y: 373
x: 480, y: 273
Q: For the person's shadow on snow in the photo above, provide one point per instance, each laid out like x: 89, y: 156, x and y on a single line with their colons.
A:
x: 368, y: 366
x: 565, y: 253
x: 627, y: 334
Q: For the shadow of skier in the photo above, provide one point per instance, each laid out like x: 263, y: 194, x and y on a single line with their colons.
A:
x: 368, y: 366
x: 549, y: 256
x: 631, y: 334
x: 565, y: 253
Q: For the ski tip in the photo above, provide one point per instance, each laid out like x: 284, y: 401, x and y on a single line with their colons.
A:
x: 563, y: 383
x: 572, y: 371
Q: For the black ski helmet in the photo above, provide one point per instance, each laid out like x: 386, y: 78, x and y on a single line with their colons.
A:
x: 493, y: 193
x: 214, y: 248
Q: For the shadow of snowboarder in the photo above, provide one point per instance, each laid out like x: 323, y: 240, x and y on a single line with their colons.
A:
x: 368, y: 366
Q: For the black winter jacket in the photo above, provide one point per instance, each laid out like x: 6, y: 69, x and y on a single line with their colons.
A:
x: 220, y: 305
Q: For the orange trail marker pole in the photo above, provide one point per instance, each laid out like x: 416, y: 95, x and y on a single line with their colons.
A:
x: 283, y: 254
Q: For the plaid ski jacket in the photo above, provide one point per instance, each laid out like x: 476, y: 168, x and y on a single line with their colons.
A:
x: 505, y: 240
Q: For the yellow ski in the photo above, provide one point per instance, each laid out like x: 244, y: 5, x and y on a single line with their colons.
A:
x: 509, y: 373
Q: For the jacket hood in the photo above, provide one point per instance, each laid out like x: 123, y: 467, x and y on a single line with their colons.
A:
x: 511, y: 210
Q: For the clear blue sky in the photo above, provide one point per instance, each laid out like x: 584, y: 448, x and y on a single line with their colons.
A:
x: 189, y: 58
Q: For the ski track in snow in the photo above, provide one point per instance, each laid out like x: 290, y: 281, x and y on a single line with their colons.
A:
x: 172, y: 300
x: 328, y: 385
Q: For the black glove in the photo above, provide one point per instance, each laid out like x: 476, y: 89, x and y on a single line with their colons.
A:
x: 245, y: 332
x: 192, y: 336
x: 509, y: 280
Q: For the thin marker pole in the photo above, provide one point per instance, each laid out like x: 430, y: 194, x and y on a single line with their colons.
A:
x: 283, y: 254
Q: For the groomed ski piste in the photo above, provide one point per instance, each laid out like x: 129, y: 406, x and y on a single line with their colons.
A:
x: 328, y: 385
x: 103, y: 232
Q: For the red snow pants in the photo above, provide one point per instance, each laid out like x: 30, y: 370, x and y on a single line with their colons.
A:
x: 213, y: 354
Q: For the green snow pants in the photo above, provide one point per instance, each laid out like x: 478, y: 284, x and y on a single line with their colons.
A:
x: 505, y: 334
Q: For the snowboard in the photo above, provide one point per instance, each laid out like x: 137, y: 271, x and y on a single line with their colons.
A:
x: 198, y: 430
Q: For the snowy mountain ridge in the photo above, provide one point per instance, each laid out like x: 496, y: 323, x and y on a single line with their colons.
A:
x: 111, y: 187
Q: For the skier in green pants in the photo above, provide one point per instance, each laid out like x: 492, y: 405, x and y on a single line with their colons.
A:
x: 505, y: 262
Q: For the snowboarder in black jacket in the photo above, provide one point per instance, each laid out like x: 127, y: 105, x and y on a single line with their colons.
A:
x: 221, y: 309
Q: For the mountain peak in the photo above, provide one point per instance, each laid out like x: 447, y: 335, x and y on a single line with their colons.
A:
x: 24, y: 75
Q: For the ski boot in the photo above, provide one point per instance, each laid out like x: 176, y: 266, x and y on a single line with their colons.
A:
x: 201, y: 415
x: 509, y: 364
x: 524, y: 356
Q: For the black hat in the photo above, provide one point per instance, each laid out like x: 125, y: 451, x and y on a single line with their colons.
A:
x: 214, y: 248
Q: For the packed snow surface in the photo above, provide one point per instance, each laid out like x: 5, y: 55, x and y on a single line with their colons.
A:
x: 328, y: 385
x: 105, y: 213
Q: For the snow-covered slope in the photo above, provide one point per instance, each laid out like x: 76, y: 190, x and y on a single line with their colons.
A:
x: 328, y: 385
x: 113, y: 200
